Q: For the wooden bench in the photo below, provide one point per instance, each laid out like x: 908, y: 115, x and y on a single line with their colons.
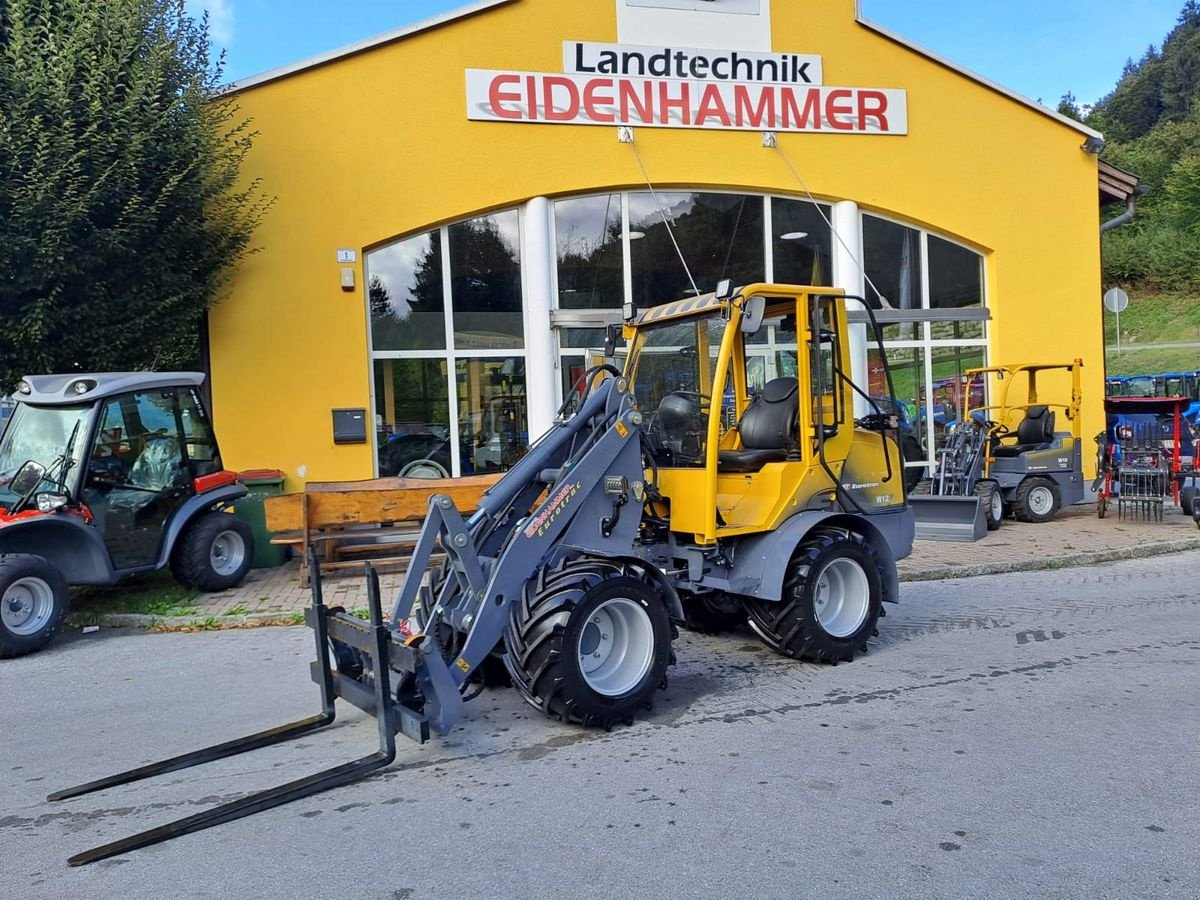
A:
x: 350, y: 522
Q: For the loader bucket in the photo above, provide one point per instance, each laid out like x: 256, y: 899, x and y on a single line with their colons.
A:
x: 949, y: 518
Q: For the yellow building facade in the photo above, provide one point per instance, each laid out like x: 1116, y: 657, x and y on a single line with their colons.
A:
x: 464, y: 204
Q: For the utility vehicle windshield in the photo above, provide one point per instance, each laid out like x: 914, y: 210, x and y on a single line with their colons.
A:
x: 41, y: 433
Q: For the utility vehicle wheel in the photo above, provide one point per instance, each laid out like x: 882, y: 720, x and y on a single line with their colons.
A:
x: 423, y: 468
x: 992, y: 502
x: 214, y: 553
x: 590, y: 641
x: 1036, y: 500
x: 832, y: 598
x: 1187, y: 499
x: 33, y: 603
x: 713, y: 613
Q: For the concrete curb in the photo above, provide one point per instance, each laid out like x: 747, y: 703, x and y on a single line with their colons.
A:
x: 1068, y: 561
x: 938, y: 573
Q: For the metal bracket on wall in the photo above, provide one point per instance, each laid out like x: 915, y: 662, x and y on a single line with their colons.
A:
x: 624, y: 134
x: 770, y: 140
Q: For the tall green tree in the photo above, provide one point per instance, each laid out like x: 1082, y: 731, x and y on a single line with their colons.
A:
x: 122, y: 214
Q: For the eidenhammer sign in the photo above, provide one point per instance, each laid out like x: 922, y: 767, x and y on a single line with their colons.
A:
x: 677, y: 87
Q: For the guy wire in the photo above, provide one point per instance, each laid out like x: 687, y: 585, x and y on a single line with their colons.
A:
x: 662, y: 212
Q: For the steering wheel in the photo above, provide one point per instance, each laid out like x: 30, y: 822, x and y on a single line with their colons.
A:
x: 996, y: 429
x: 586, y: 379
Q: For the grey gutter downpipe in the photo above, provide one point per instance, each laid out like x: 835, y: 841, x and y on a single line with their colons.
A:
x: 1126, y: 217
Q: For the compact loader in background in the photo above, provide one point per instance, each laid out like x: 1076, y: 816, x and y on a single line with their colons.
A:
x: 677, y: 489
x: 1004, y: 458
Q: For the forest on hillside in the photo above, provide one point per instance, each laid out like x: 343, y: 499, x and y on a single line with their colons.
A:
x: 1151, y: 121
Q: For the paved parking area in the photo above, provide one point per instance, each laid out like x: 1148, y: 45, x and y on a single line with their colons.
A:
x: 1023, y: 735
x: 1076, y: 538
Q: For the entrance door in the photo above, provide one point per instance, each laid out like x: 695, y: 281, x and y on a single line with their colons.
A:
x: 137, y: 474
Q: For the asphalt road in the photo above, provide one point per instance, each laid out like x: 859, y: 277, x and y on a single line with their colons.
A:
x: 1007, y: 736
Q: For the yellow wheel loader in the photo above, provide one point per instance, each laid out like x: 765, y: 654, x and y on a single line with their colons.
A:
x: 721, y: 476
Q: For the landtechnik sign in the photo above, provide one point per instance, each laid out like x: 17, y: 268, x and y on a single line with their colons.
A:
x: 677, y: 87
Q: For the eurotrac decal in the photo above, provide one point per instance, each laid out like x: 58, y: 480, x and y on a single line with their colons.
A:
x: 675, y: 87
x: 553, y: 509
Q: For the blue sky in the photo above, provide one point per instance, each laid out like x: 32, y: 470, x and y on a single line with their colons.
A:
x: 1039, y: 48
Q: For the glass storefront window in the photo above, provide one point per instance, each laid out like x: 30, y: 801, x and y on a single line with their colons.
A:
x: 492, y: 417
x: 957, y: 331
x: 955, y: 275
x: 485, y: 280
x: 720, y: 235
x: 591, y: 268
x: 412, y: 418
x: 404, y: 294
x: 892, y: 258
x: 802, y: 243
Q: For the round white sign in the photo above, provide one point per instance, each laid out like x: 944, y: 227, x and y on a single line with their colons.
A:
x: 1116, y: 300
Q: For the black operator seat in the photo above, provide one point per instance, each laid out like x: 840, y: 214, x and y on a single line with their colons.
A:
x: 768, y: 428
x: 1036, y: 432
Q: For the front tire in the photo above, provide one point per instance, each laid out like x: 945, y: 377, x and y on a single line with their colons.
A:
x: 214, y: 553
x: 33, y: 604
x: 992, y: 502
x: 590, y: 642
x: 832, y: 600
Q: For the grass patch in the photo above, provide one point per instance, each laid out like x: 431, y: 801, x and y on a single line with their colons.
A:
x: 1151, y: 362
x: 236, y: 611
x: 150, y: 595
x: 1155, y: 319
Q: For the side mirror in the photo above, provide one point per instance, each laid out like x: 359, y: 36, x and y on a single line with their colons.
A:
x: 28, y: 477
x: 752, y: 314
x: 611, y: 333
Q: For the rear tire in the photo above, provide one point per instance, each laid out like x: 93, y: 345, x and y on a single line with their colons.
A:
x: 590, y: 642
x: 832, y: 600
x: 214, y: 553
x: 992, y: 502
x: 713, y: 613
x: 1036, y: 500
x: 1187, y: 500
x: 33, y: 603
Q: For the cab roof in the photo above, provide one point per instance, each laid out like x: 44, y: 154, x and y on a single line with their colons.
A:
x: 62, y: 390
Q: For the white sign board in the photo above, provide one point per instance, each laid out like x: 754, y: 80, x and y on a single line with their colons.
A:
x: 584, y: 58
x: 734, y: 7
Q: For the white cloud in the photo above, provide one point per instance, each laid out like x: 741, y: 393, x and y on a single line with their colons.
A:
x: 220, y: 18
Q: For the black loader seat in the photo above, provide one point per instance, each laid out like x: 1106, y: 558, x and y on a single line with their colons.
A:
x: 1036, y: 432
x: 768, y: 428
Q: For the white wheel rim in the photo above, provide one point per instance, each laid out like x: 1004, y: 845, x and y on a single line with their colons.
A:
x: 997, y: 506
x: 616, y: 647
x: 27, y: 606
x: 1041, y: 501
x: 842, y: 597
x: 424, y: 468
x: 228, y: 552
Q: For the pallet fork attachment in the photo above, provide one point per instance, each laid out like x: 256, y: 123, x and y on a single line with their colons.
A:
x: 375, y: 642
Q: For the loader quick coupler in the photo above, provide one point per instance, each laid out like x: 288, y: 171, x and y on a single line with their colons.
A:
x: 380, y: 651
